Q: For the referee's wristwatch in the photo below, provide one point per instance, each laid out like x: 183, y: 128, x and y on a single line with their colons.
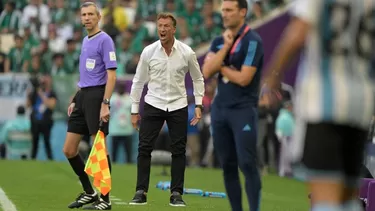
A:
x: 200, y: 106
x: 106, y: 101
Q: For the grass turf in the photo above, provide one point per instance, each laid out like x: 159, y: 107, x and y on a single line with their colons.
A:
x: 51, y: 186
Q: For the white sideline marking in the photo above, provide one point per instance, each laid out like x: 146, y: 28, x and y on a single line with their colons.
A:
x: 113, y: 198
x: 117, y: 201
x: 5, y: 202
x: 120, y: 203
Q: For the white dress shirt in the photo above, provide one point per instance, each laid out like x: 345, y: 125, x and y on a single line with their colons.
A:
x: 166, y: 77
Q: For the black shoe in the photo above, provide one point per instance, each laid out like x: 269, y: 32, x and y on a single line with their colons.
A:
x: 176, y: 200
x: 139, y: 198
x: 83, y: 199
x: 99, y: 205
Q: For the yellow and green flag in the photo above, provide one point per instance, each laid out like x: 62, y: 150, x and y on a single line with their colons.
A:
x: 97, y: 165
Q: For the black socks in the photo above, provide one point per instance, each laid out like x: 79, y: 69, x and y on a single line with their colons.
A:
x: 79, y: 168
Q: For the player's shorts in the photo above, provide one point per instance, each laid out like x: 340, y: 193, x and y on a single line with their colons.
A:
x: 86, y: 114
x: 334, y: 151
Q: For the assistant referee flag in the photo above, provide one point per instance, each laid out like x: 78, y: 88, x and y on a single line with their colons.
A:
x: 97, y: 165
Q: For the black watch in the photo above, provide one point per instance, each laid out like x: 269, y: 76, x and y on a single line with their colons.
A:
x: 200, y: 106
x: 106, y: 101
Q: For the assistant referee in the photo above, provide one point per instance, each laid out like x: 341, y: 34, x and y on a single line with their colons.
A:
x: 97, y: 67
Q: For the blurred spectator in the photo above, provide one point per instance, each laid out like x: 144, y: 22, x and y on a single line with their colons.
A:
x: 269, y: 115
x: 2, y: 151
x: 52, y: 8
x: 209, y: 11
x: 42, y: 100
x: 30, y: 40
x: 192, y: 16
x: 207, y: 31
x: 140, y: 32
x: 76, y: 19
x: 124, y: 55
x: 269, y: 5
x: 131, y: 66
x: 78, y: 35
x: 64, y: 30
x: 3, y: 57
x: 71, y: 56
x: 37, y: 16
x: 56, y: 44
x: 36, y: 67
x: 185, y: 37
x: 148, y: 9
x: 10, y: 18
x: 120, y: 18
x: 20, y: 4
x: 18, y: 57
x: 57, y: 10
x: 109, y: 26
x: 20, y: 124
x: 170, y: 6
x: 181, y: 5
x: 58, y: 66
x: 284, y: 130
x: 255, y: 10
x: 45, y: 55
x: 120, y: 125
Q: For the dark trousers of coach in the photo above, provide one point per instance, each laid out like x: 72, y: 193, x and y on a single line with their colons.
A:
x: 151, y: 124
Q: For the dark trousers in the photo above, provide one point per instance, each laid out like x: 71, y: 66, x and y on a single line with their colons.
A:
x: 126, y: 142
x: 44, y: 128
x: 151, y: 124
x: 271, y: 137
x: 2, y: 151
x: 235, y: 142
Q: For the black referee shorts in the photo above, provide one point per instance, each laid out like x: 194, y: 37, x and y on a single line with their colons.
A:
x: 85, y: 117
x: 335, y: 150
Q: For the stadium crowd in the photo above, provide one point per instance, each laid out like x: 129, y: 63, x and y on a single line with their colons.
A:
x: 43, y: 37
x: 47, y: 34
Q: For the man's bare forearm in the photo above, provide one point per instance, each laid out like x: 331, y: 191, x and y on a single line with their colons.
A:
x: 214, y: 64
x: 110, y: 86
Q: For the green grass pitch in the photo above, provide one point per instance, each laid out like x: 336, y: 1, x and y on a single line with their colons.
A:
x: 51, y: 186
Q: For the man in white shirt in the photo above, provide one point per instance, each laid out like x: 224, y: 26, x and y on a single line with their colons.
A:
x: 164, y: 64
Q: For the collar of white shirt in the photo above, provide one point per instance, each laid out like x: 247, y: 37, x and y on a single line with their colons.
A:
x: 173, y: 47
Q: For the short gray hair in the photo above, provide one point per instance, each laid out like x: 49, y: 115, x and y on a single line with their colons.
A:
x: 89, y: 3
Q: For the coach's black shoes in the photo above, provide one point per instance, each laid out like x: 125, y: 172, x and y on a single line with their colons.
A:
x: 140, y: 198
x: 176, y: 200
x: 99, y: 205
x: 83, y: 199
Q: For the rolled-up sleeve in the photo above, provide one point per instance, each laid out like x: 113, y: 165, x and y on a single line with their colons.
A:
x: 139, y: 80
x: 197, y: 77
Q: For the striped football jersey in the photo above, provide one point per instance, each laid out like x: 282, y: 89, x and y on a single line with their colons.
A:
x: 335, y: 80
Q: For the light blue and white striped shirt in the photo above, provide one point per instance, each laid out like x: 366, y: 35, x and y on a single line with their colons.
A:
x: 334, y: 82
